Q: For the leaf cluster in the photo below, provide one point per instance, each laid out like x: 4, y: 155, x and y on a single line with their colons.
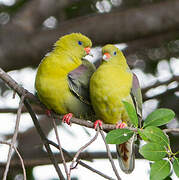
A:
x: 157, y: 147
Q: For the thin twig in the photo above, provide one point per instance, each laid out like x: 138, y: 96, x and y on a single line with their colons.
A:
x: 81, y: 162
x: 16, y: 87
x: 81, y: 149
x: 174, y: 130
x: 60, y: 147
x: 44, y: 159
x: 14, y: 137
x: 37, y: 109
x: 43, y: 138
x: 94, y: 170
x: 109, y: 155
x: 22, y: 162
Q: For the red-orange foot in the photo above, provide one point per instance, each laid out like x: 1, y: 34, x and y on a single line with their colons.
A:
x: 48, y: 112
x: 96, y: 123
x: 67, y: 118
x: 121, y: 125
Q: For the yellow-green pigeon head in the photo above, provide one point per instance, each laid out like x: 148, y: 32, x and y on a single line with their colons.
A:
x: 75, y: 43
x: 112, y: 55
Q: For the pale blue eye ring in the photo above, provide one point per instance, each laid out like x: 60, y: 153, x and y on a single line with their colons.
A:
x: 114, y: 52
x: 79, y: 42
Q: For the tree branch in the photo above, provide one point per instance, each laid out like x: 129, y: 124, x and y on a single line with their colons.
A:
x: 94, y: 170
x: 43, y: 138
x: 14, y: 137
x: 60, y: 147
x: 36, y: 108
x: 173, y: 130
x: 75, y: 158
x: 82, y: 163
x: 21, y: 160
x: 110, y: 156
x: 147, y: 21
x: 15, y: 86
x: 32, y: 162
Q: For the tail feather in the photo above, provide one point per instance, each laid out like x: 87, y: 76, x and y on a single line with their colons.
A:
x: 126, y: 155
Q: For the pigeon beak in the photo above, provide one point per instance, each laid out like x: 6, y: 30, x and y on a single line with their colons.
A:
x: 88, y: 51
x: 106, y: 56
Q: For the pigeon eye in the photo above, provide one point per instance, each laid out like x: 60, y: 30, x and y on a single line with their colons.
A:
x: 79, y: 42
x: 114, y: 52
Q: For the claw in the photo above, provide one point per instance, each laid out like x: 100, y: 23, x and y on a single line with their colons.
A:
x: 67, y: 118
x: 48, y: 112
x: 122, y: 125
x: 118, y: 125
x: 96, y: 123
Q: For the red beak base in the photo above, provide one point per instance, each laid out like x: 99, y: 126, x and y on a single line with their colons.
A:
x: 87, y: 49
x: 106, y: 56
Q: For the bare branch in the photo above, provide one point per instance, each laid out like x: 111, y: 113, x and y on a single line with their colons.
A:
x: 15, y: 86
x: 94, y: 170
x: 44, y: 160
x: 173, y: 130
x: 81, y: 149
x: 36, y: 108
x: 60, y: 147
x: 82, y: 163
x: 43, y: 138
x: 110, y: 156
x: 21, y: 160
x: 14, y: 137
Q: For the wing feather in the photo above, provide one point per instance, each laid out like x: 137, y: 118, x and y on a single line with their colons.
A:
x: 78, y: 81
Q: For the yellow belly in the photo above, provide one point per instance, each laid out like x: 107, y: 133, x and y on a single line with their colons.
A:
x: 51, y: 82
x: 54, y: 93
x: 108, y: 88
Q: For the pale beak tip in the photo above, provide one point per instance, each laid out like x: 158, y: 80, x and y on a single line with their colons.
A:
x: 105, y: 58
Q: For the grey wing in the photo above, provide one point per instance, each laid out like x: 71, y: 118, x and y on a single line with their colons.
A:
x: 137, y: 97
x: 78, y: 81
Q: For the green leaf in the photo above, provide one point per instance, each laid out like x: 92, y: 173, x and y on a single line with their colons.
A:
x: 176, y: 166
x: 142, y: 135
x: 153, y: 151
x: 155, y: 134
x: 159, y: 117
x: 160, y: 170
x: 118, y: 136
x: 131, y: 113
